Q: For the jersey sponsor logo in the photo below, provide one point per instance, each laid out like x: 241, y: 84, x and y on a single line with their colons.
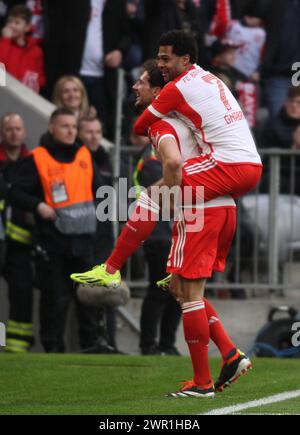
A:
x: 154, y: 138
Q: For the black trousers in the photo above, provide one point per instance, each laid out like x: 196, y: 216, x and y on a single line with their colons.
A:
x: 159, y: 307
x: 103, y: 246
x: 18, y: 273
x: 101, y: 92
x: 57, y: 292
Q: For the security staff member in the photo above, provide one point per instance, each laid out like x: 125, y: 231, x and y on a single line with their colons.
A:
x: 58, y: 182
x: 17, y: 225
x: 159, y: 307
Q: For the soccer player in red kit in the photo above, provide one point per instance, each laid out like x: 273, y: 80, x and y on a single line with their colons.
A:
x: 220, y: 226
x: 228, y: 165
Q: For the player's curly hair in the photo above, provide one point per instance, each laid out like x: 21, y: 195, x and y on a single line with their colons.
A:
x: 182, y: 42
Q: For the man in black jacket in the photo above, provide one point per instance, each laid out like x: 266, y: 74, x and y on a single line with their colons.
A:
x: 73, y: 45
x: 57, y: 183
x: 18, y: 229
x: 282, y: 51
x: 279, y: 133
x: 90, y: 132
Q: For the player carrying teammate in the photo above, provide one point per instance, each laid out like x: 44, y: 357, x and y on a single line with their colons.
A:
x: 226, y: 163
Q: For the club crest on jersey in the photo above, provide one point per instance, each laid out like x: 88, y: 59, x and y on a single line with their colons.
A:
x: 154, y: 138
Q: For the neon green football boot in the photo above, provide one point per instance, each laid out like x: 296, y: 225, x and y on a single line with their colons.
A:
x: 98, y: 276
x: 164, y: 284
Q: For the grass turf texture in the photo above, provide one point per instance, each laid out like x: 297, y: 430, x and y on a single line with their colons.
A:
x: 104, y: 384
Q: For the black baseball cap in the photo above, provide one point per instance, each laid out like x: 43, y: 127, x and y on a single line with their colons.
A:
x: 220, y: 45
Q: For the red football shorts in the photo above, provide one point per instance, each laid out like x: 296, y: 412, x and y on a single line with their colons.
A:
x: 197, y: 255
x: 219, y: 179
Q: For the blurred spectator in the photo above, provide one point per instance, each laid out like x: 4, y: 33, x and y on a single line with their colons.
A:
x: 223, y: 61
x: 18, y: 225
x: 37, y: 20
x: 247, y: 33
x: 280, y: 133
x: 88, y: 38
x: 90, y: 133
x: 164, y: 15
x: 19, y: 52
x: 250, y: 36
x: 136, y: 14
x: 5, y: 5
x: 238, y: 7
x: 221, y: 18
x: 70, y: 93
x: 36, y: 7
x: 282, y: 50
x: 58, y: 183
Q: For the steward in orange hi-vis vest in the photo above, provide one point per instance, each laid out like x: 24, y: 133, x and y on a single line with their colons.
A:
x: 68, y: 189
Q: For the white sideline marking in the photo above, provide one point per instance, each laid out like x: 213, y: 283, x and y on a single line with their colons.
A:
x: 255, y: 403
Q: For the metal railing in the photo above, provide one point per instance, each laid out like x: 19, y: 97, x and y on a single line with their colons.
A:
x: 267, y: 236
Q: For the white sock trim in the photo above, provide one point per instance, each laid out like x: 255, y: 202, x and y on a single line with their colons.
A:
x: 213, y: 319
x: 146, y: 202
x: 188, y: 307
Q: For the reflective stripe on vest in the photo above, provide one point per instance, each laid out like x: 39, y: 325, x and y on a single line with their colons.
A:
x: 19, y: 328
x: 16, y: 346
x: 17, y: 234
x: 19, y: 336
x: 68, y: 189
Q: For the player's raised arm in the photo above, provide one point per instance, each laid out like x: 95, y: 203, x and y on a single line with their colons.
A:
x: 171, y: 162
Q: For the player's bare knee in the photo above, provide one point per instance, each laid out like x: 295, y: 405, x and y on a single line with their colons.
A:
x: 175, y: 287
x: 193, y: 290
x: 192, y: 296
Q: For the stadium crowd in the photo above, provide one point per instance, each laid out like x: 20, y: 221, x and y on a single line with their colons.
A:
x: 70, y: 53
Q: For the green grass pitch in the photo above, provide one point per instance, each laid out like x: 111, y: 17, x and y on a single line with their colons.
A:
x: 124, y: 385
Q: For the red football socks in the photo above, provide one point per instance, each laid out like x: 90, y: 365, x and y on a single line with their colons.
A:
x: 217, y: 331
x: 137, y: 229
x: 196, y: 332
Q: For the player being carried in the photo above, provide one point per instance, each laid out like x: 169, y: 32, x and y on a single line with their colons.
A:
x: 216, y: 151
